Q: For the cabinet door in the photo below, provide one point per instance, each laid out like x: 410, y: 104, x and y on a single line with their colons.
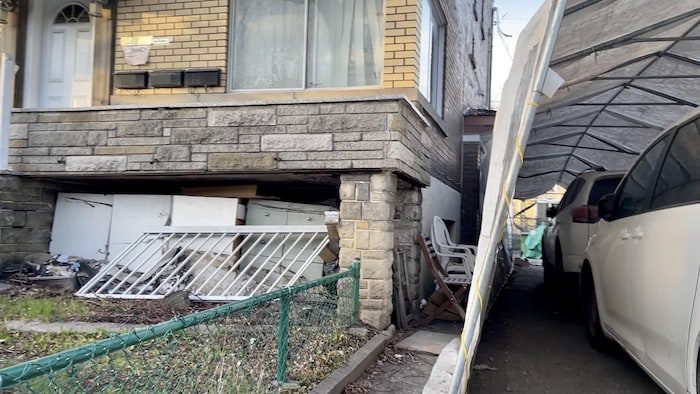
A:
x: 132, y: 215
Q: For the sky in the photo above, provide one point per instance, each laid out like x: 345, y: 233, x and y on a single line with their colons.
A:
x: 512, y: 16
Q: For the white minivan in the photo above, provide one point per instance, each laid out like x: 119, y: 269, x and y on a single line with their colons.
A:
x: 639, y: 280
x: 572, y: 224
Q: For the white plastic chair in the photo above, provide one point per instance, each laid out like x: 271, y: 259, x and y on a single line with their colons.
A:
x: 446, y: 250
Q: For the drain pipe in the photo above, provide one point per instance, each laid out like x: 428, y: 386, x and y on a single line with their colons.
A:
x: 485, y: 264
x: 7, y: 66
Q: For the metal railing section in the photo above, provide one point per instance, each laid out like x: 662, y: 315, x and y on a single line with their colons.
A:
x: 210, y: 263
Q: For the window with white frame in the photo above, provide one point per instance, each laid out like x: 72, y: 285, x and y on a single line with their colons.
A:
x: 432, y: 54
x: 297, y: 44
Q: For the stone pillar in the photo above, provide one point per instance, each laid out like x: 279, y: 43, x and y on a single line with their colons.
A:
x: 367, y: 208
x: 408, y: 226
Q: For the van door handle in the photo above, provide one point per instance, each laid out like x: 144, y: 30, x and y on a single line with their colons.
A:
x: 624, y: 235
x: 638, y: 234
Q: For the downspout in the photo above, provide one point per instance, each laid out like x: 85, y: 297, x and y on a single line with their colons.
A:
x: 7, y: 70
x: 490, y: 58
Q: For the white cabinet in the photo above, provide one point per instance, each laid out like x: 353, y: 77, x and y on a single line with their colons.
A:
x: 264, y: 212
x: 206, y: 211
x: 92, y: 225
x: 132, y: 214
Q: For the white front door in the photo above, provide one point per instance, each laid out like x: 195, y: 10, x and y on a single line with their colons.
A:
x: 68, y: 54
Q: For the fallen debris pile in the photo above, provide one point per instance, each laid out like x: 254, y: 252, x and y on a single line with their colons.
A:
x: 47, y: 270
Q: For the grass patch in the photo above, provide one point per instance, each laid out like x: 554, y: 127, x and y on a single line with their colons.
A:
x: 16, y: 347
x: 58, y: 308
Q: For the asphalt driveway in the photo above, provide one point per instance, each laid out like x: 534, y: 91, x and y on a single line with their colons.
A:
x: 533, y: 344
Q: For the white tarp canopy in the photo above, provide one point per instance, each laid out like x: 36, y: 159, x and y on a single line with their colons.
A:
x: 529, y: 79
x: 631, y: 68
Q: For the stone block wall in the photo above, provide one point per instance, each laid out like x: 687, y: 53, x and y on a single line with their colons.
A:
x: 26, y: 215
x: 338, y: 136
x: 201, y: 35
x: 367, y: 211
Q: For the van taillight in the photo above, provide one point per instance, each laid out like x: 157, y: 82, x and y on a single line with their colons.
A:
x: 585, y: 214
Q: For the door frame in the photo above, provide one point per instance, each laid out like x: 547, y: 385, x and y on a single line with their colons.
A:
x: 34, y: 18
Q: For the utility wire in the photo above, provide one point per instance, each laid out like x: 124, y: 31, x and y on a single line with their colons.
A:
x: 501, y: 34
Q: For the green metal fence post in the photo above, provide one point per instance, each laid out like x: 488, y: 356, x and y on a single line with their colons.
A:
x: 355, y: 290
x: 282, y: 339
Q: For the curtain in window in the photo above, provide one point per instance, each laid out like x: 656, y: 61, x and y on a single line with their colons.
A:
x: 268, y: 46
x: 344, y: 43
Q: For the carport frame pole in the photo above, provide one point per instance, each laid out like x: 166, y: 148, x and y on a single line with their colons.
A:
x: 474, y: 315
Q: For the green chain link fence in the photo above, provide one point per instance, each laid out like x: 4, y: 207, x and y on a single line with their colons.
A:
x: 256, y: 345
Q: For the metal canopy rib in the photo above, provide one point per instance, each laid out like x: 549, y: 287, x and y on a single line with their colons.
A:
x: 625, y: 39
x: 613, y: 100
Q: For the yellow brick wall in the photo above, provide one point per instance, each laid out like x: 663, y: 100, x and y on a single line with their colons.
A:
x: 401, y: 34
x: 200, y: 39
x: 199, y: 31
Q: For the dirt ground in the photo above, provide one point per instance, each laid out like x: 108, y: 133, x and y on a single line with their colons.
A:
x: 538, y: 345
x: 51, y: 304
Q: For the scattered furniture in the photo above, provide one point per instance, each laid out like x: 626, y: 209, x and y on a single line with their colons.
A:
x: 447, y: 250
x: 450, y: 299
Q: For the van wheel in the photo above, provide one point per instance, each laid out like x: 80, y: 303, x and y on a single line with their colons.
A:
x: 594, y: 331
x: 560, y: 286
x: 549, y: 278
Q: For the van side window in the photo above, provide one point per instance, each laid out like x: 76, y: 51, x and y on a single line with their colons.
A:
x: 571, y: 194
x: 630, y: 201
x: 602, y: 187
x: 679, y: 180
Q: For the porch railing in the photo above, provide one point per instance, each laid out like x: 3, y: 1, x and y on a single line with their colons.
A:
x: 211, y: 263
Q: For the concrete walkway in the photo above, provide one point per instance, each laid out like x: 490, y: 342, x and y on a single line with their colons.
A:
x: 56, y: 327
x: 537, y: 345
x: 405, y: 366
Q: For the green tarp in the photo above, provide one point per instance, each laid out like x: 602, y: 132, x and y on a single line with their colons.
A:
x: 531, y: 244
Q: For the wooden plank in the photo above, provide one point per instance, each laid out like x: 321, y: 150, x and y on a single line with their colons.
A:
x: 399, y: 291
x: 442, y: 307
x: 232, y: 191
x: 328, y: 255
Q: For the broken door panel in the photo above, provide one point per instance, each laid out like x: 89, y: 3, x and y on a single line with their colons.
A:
x: 81, y: 225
